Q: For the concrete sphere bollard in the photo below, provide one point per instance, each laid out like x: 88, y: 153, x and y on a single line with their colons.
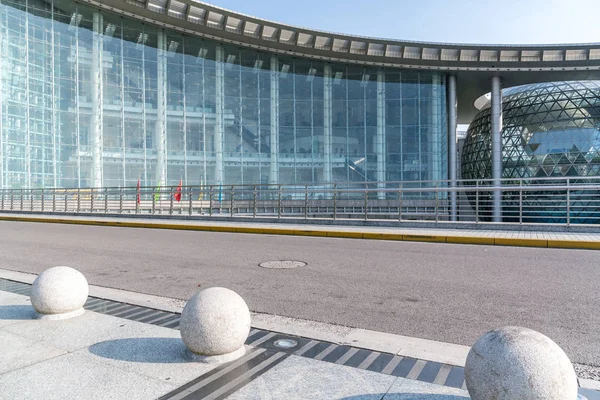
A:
x: 519, y: 363
x: 59, y: 293
x: 214, y: 325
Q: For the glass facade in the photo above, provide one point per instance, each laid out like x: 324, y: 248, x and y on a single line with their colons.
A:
x: 550, y: 130
x: 91, y: 99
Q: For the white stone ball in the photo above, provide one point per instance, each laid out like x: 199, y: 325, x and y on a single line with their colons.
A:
x: 59, y: 290
x: 519, y: 363
x: 215, y: 321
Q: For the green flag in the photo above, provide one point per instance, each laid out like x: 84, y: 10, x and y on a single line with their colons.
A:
x: 157, y: 194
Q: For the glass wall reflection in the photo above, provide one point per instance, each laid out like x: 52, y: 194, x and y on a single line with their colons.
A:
x: 92, y: 99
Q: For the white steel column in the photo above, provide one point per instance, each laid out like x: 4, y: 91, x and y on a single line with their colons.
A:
x: 380, y: 138
x: 327, y: 123
x: 55, y: 98
x: 161, y: 109
x: 496, y: 122
x: 220, y: 111
x: 452, y: 166
x: 97, y: 76
x: 274, y: 171
x: 3, y: 55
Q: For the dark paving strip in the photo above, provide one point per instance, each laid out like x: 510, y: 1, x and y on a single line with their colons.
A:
x: 173, y: 317
x: 456, y: 377
x: 110, y: 308
x: 99, y: 305
x: 429, y: 372
x: 131, y: 310
x: 256, y: 336
x: 315, y: 350
x: 155, y: 315
x: 336, y: 354
x: 209, y: 374
x: 173, y: 324
x: 136, y: 317
x: 404, y: 367
x: 91, y: 301
x: 380, y: 362
x: 209, y: 388
x: 357, y: 358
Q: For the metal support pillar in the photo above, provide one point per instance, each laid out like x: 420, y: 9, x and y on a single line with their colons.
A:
x: 327, y: 124
x: 219, y: 111
x: 97, y: 75
x: 380, y: 137
x: 161, y: 109
x: 274, y: 160
x: 496, y: 122
x: 452, y: 166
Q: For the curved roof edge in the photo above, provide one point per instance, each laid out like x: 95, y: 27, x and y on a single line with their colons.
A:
x: 197, y: 18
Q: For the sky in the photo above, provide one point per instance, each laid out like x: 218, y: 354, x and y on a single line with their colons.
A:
x: 451, y: 21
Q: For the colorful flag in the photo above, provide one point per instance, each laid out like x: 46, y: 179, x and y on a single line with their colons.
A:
x: 138, y: 192
x: 201, y: 190
x: 177, y: 194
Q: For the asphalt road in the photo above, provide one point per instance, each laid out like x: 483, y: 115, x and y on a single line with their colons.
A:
x: 451, y: 293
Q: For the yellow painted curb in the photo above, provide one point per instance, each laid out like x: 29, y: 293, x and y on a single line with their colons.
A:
x: 470, y: 240
x: 424, y: 238
x: 382, y: 236
x: 302, y: 232
x: 562, y: 244
x: 521, y: 242
x: 574, y: 244
x: 342, y: 234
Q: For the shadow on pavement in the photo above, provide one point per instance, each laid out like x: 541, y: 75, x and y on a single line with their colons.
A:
x: 404, y: 396
x: 143, y: 350
x: 17, y: 312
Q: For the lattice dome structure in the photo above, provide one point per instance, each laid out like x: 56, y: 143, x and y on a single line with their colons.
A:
x: 550, y: 130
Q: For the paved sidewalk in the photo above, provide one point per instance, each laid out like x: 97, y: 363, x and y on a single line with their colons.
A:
x: 116, y: 350
x: 567, y: 240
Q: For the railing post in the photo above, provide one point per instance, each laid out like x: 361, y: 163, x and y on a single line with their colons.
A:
x: 306, y: 202
x: 53, y: 200
x: 43, y: 205
x: 191, y: 193
x: 279, y: 201
x: 210, y: 200
x: 232, y: 201
x: 254, y: 202
x: 437, y: 197
x: 22, y: 195
x: 477, y: 202
x: 400, y: 200
x: 334, y: 201
x: 2, y: 200
x: 78, y: 200
x: 31, y: 198
x: 106, y: 200
x: 154, y: 194
x: 12, y: 200
x: 568, y: 203
x: 366, y: 202
x: 92, y: 200
x: 171, y: 203
x: 66, y: 200
x: 121, y: 200
x: 520, y: 202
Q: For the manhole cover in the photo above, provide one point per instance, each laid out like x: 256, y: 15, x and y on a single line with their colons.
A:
x: 282, y: 264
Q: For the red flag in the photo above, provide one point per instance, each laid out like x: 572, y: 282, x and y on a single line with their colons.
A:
x: 138, y: 191
x: 177, y: 194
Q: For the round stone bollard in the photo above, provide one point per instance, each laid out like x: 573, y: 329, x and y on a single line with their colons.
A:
x: 59, y: 293
x: 214, y: 325
x: 519, y: 363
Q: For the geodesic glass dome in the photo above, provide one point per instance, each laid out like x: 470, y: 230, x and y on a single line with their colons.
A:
x: 549, y: 130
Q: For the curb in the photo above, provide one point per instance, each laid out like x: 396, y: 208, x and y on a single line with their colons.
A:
x: 474, y: 240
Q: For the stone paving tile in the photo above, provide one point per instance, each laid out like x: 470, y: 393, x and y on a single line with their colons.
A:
x: 303, y: 378
x: 14, y: 309
x: 19, y: 352
x: 404, y: 389
x: 79, y: 376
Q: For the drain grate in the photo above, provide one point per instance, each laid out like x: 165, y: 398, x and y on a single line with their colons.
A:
x: 282, y: 264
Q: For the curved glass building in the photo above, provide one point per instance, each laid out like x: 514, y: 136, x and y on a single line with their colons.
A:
x: 549, y: 130
x: 101, y: 93
x: 93, y: 99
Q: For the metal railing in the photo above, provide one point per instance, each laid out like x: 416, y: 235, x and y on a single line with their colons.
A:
x: 561, y: 201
